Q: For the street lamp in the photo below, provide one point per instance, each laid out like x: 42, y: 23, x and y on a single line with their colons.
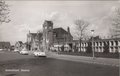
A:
x: 92, y: 31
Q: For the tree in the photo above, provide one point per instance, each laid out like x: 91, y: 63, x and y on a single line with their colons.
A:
x: 81, y: 27
x: 115, y: 22
x: 4, y: 11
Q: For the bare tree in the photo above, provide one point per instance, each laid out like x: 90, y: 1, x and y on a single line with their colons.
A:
x: 4, y: 11
x: 81, y: 27
x: 115, y: 22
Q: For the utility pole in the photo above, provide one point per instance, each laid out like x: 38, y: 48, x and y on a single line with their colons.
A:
x: 92, y: 31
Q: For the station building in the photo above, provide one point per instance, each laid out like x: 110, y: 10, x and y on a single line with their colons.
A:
x: 99, y: 45
x: 60, y: 39
x: 56, y: 37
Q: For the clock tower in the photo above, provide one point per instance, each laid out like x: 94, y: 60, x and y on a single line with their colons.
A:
x: 47, y: 34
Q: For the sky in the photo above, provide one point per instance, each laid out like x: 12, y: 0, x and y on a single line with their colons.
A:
x: 30, y: 15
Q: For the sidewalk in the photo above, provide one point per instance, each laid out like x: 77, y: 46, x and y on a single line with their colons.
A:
x: 102, y: 61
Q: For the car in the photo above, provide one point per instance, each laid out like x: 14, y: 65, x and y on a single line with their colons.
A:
x: 16, y: 50
x: 1, y: 49
x: 40, y: 54
x: 24, y: 52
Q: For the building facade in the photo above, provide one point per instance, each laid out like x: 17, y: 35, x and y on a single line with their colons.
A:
x: 47, y: 35
x: 34, y: 41
x: 5, y: 45
x: 19, y: 45
x: 99, y: 45
x: 59, y: 39
x: 61, y: 36
x: 55, y: 37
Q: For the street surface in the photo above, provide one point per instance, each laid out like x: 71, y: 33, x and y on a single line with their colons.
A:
x: 28, y: 65
x: 7, y: 55
x: 85, y: 59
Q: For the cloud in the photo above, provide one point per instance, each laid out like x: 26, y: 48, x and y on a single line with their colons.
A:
x: 53, y: 16
x: 119, y: 1
x: 27, y: 15
x: 103, y: 24
x: 113, y: 8
x: 23, y: 27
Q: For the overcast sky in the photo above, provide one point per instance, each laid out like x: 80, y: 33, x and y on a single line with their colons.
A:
x: 30, y: 15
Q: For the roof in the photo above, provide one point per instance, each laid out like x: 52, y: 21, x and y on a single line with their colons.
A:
x: 5, y: 43
x: 60, y: 30
x: 111, y: 39
x: 98, y: 40
x: 36, y: 34
x: 47, y: 23
x: 77, y: 41
x: 20, y: 42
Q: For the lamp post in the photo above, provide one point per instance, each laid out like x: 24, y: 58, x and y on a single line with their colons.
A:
x: 92, y: 31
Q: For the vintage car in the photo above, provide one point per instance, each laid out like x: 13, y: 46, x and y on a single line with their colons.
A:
x: 39, y: 54
x: 24, y: 52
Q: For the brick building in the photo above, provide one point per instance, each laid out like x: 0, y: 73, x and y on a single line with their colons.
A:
x: 61, y: 40
x: 47, y: 34
x: 55, y: 37
x: 62, y: 36
x: 5, y: 45
x: 99, y: 45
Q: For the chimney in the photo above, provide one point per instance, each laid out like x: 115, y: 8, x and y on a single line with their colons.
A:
x: 68, y: 29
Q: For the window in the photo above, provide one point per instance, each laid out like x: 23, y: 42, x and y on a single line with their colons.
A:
x: 45, y: 27
x: 116, y: 42
x: 50, y: 27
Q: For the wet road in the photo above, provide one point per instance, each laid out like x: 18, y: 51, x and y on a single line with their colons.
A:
x: 40, y: 66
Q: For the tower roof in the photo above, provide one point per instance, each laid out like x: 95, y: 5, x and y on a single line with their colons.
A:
x: 47, y: 23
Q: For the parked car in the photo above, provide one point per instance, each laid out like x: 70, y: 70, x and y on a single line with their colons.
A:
x: 16, y: 50
x: 24, y: 52
x: 40, y: 54
x: 1, y: 49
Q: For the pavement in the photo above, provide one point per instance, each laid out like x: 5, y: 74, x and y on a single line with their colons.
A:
x: 101, y: 61
x: 40, y: 66
x: 8, y: 56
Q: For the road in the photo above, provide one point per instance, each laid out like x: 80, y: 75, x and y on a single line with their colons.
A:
x: 25, y: 65
x: 7, y: 55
